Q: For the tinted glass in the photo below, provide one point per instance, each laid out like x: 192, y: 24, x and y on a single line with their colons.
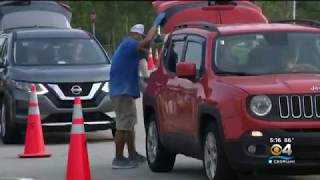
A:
x: 194, y: 54
x: 32, y: 18
x: 268, y: 53
x: 58, y: 52
x: 175, y: 55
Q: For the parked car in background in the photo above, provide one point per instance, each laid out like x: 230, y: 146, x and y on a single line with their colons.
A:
x: 27, y: 13
x: 63, y: 63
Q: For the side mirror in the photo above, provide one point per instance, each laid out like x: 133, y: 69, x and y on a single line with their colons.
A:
x: 186, y: 70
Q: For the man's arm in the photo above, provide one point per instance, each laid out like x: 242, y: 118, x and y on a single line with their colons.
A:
x: 152, y: 32
x: 147, y: 40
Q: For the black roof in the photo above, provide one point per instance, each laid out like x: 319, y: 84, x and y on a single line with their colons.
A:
x: 50, y: 33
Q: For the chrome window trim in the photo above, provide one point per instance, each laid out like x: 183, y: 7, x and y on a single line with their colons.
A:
x: 280, y: 109
x: 292, y: 113
x: 304, y: 108
x: 93, y: 91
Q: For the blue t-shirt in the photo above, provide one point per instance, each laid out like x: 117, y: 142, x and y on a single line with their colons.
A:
x: 124, y: 74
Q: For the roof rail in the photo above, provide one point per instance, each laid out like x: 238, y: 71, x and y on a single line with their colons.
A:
x: 307, y: 22
x: 201, y: 24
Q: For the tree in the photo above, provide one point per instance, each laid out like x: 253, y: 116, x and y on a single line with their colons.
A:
x: 114, y: 18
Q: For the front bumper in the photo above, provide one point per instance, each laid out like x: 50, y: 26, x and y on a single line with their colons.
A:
x: 305, y: 146
x: 96, y: 117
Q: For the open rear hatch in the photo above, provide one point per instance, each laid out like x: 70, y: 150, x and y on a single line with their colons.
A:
x: 216, y: 12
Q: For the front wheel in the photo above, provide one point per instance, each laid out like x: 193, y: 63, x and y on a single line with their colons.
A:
x: 215, y: 163
x: 159, y: 160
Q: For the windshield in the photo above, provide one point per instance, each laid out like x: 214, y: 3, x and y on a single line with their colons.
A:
x: 66, y: 51
x: 268, y: 53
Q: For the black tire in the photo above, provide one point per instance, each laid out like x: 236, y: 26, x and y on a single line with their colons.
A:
x: 223, y: 171
x: 160, y: 160
x: 10, y: 135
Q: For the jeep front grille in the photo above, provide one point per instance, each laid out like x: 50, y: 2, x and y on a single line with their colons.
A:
x: 299, y: 106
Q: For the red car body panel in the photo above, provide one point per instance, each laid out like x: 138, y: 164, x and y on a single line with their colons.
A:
x: 184, y: 11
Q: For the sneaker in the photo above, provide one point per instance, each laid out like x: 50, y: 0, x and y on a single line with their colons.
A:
x: 138, y: 158
x: 123, y: 163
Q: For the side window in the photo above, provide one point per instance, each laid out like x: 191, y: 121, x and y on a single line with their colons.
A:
x: 175, y: 54
x: 194, y: 54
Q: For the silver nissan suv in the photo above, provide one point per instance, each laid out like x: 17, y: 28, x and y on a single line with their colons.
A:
x: 63, y: 63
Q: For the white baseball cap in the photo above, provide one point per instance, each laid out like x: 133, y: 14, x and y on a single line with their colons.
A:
x: 138, y: 28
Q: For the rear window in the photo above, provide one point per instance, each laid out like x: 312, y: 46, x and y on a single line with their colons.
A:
x: 34, y: 18
x: 66, y: 51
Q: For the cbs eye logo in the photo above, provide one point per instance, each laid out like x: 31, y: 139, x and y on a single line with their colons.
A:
x: 277, y: 150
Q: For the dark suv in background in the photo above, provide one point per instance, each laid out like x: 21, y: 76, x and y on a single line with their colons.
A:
x: 63, y: 63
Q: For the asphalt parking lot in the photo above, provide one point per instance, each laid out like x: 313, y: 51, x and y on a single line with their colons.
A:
x: 101, y: 152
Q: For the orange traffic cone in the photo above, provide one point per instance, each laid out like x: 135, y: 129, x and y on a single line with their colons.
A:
x: 156, y: 58
x: 150, y: 60
x: 34, y: 143
x: 78, y: 163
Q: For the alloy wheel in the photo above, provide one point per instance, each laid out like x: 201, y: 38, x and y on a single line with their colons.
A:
x: 210, y: 156
x: 152, y: 142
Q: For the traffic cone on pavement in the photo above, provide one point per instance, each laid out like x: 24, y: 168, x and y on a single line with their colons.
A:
x: 34, y: 143
x: 78, y: 163
x: 156, y: 58
x: 150, y: 60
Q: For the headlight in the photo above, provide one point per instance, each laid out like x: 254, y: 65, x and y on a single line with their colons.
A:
x: 41, y: 89
x: 260, y: 105
x: 105, y: 87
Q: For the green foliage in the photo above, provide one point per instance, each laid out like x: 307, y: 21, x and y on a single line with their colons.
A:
x: 280, y: 10
x: 114, y: 18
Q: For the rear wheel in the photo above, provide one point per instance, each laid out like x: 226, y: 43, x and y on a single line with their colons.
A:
x: 215, y: 163
x: 159, y: 160
x: 8, y: 132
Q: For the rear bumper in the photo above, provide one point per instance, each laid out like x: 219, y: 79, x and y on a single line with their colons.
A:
x: 305, y: 148
x: 55, y: 118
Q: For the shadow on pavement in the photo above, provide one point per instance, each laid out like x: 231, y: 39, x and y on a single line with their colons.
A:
x: 63, y: 138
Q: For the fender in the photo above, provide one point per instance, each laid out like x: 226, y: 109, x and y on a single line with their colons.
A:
x: 206, y: 109
x: 149, y: 102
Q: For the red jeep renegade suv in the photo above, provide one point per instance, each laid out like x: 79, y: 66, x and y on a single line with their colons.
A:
x: 242, y: 98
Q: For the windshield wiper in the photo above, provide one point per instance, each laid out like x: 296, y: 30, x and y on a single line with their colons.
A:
x: 235, y: 73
